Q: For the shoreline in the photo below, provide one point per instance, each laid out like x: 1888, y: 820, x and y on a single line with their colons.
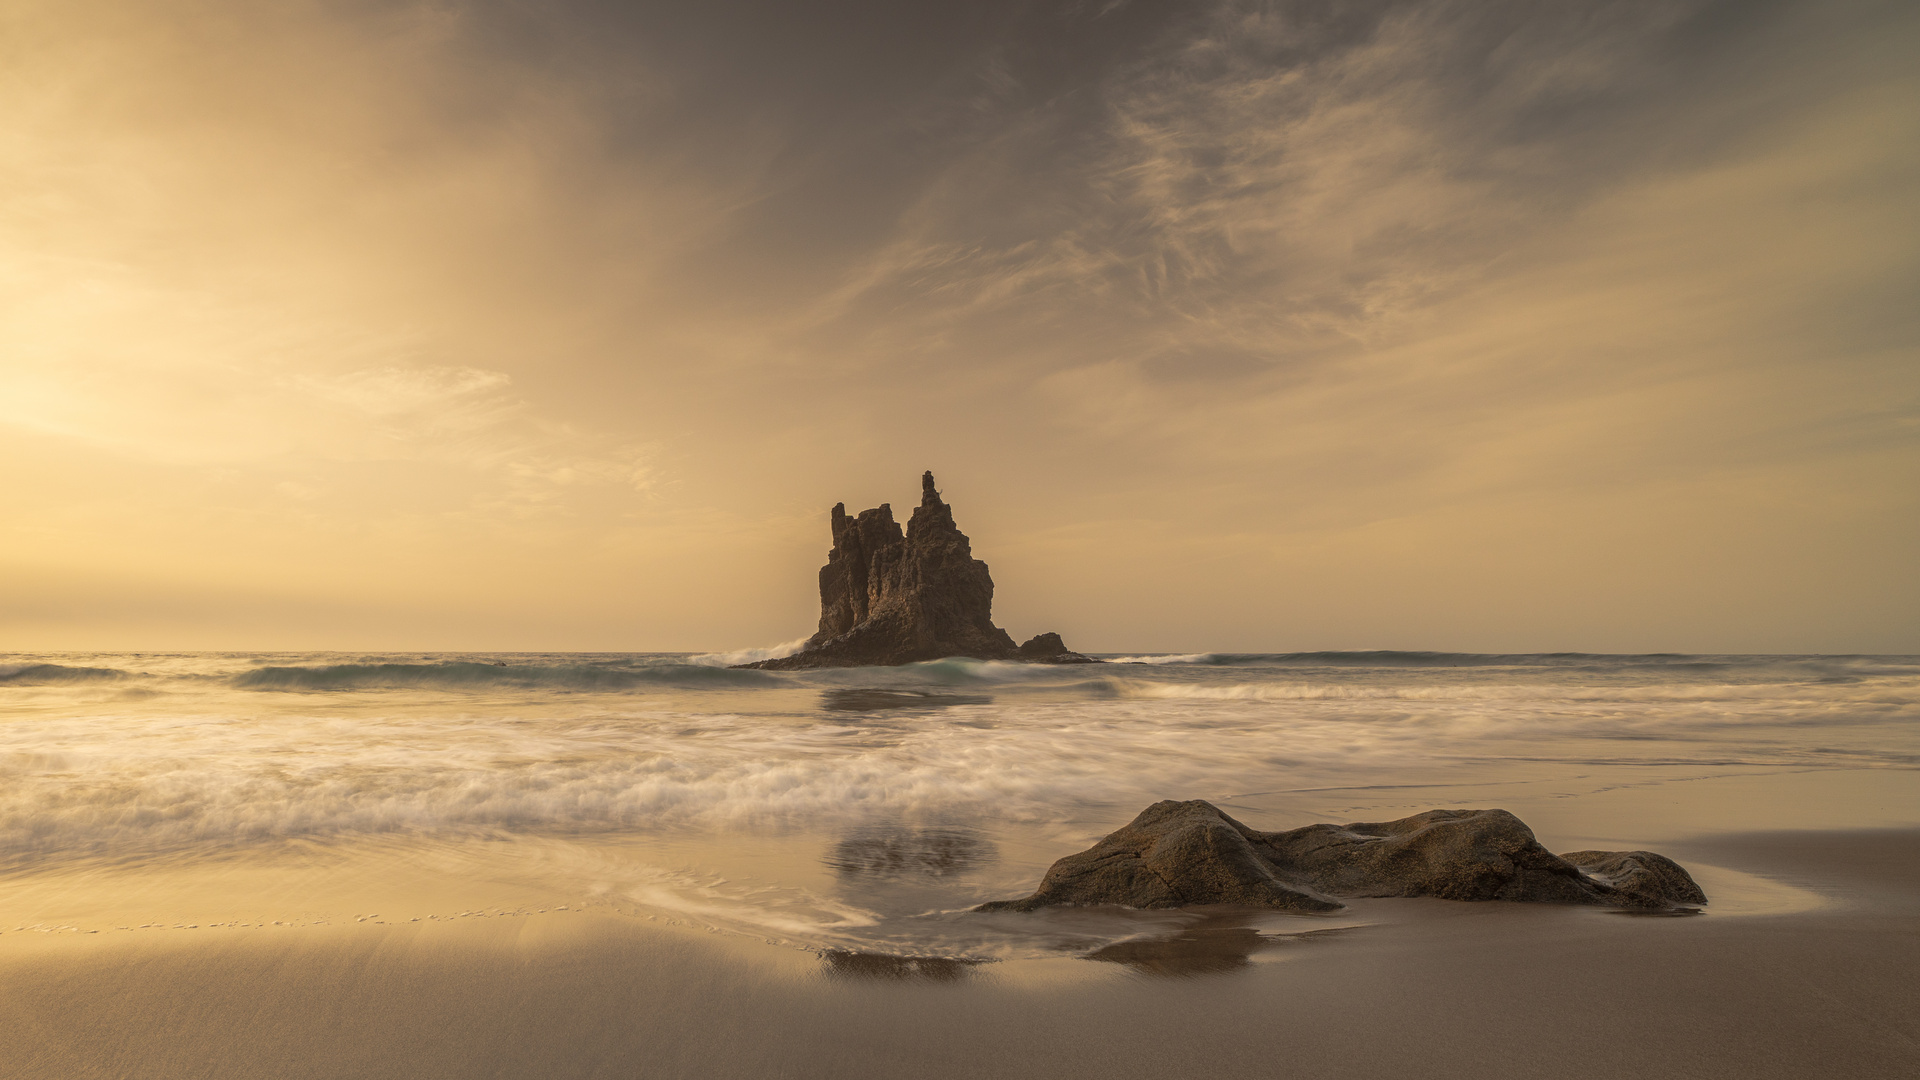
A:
x: 1422, y: 987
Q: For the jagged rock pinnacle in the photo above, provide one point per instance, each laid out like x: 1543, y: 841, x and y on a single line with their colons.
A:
x: 888, y: 597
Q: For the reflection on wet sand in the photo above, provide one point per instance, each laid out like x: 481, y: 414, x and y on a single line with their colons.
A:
x: 1219, y: 943
x: 899, y: 851
x: 845, y: 964
x: 872, y: 700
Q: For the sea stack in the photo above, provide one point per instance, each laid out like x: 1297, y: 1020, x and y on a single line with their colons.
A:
x: 890, y: 598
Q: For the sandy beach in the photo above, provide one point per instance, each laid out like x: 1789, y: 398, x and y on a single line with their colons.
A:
x: 1815, y: 980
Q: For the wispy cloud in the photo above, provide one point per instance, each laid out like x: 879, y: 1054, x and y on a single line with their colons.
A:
x: 1199, y: 301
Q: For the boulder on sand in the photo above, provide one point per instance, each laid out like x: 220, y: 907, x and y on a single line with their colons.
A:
x: 1653, y: 880
x: 889, y: 598
x: 1177, y: 854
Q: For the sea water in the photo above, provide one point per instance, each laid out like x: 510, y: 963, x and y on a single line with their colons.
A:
x: 859, y: 810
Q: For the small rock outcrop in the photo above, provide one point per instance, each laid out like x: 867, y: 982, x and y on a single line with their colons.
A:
x: 1641, y: 878
x: 888, y: 597
x: 1173, y: 855
x: 1049, y: 649
x: 1177, y: 854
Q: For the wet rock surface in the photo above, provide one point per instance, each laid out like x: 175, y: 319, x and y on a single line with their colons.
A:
x: 1179, y: 854
x: 889, y: 598
x: 847, y: 964
x: 895, y: 851
x: 1653, y: 880
x: 1173, y: 855
x: 868, y: 700
x: 1219, y: 942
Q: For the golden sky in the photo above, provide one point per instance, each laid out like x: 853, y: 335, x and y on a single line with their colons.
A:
x: 1475, y: 325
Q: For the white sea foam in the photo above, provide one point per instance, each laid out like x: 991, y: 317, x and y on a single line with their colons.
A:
x: 749, y: 656
x: 1899, y: 696
x: 567, y: 745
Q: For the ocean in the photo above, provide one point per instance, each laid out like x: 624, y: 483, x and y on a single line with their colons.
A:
x: 861, y: 812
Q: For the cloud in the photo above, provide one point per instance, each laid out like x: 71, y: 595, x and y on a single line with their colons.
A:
x: 1289, y: 178
x: 1195, y: 304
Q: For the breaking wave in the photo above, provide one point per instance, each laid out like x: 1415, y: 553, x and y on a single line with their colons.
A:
x: 43, y: 674
x: 1899, y: 697
x: 568, y: 744
x: 469, y: 675
x: 748, y: 656
x: 1393, y: 658
x: 1837, y: 666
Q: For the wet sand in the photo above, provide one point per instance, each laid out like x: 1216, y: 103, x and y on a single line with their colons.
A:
x: 1823, y: 986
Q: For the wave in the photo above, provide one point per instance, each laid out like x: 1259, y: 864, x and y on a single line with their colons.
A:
x: 42, y: 674
x: 131, y: 786
x: 953, y: 671
x: 1398, y: 658
x: 1902, y: 695
x: 1420, y: 658
x: 748, y: 656
x: 1345, y: 658
x: 1044, y: 746
x: 1318, y: 691
x: 469, y: 675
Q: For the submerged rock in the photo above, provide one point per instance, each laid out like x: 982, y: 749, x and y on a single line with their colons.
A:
x: 899, y: 852
x: 890, y: 598
x: 1177, y: 854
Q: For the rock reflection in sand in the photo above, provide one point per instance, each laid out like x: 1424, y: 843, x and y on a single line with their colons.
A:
x: 875, y: 700
x: 846, y: 964
x: 899, y: 851
x: 1217, y: 944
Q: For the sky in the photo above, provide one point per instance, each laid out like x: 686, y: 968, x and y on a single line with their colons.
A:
x: 1224, y: 325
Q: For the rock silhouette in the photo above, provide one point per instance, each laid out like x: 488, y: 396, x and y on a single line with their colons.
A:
x: 890, y: 598
x: 1177, y: 854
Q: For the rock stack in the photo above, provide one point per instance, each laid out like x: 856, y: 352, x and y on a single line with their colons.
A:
x: 891, y: 598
